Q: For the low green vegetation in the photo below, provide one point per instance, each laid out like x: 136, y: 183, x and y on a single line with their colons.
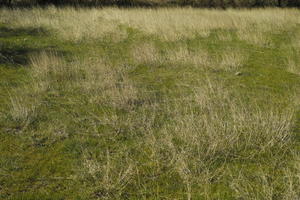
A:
x: 149, y: 104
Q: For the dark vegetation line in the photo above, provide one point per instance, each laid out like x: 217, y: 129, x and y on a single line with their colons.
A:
x: 155, y: 3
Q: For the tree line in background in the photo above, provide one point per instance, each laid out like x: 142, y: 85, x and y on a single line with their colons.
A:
x: 157, y: 3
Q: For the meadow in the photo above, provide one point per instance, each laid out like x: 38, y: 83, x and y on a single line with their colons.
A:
x: 166, y: 103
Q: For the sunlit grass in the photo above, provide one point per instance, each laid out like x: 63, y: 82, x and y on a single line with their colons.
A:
x: 174, y: 103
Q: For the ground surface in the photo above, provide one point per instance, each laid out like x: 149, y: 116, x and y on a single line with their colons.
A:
x: 149, y: 104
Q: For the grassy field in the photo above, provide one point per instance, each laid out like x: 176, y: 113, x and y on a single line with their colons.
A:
x: 175, y: 103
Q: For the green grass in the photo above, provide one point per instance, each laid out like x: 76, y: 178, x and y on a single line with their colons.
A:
x: 96, y: 119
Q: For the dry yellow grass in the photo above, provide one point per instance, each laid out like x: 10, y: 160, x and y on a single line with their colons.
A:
x: 223, y: 126
x: 169, y: 24
x: 106, y: 84
x: 225, y: 36
x: 69, y: 23
x: 146, y: 53
x: 21, y: 111
x: 231, y: 60
x: 96, y: 78
x: 103, y: 83
x: 254, y: 36
x: 292, y: 66
x: 183, y: 55
x: 175, y: 23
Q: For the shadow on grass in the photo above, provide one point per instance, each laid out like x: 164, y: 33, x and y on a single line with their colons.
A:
x: 15, y: 56
x: 14, y: 52
x: 14, y: 32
